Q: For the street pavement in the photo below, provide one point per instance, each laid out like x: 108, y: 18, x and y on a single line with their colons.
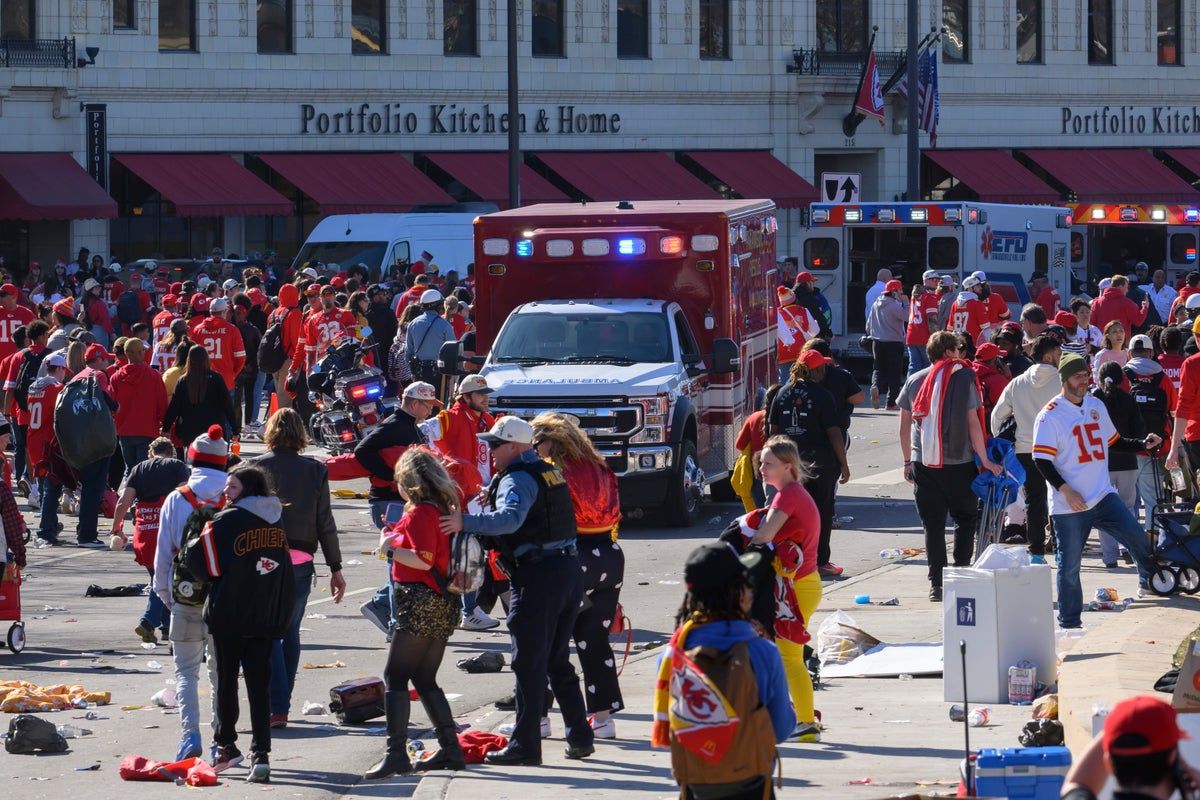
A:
x: 894, y: 734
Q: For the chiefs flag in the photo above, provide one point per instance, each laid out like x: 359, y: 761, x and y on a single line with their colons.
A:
x: 869, y: 102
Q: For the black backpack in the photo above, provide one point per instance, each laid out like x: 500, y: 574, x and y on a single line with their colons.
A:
x: 30, y: 364
x: 189, y: 587
x: 129, y: 307
x: 271, y: 353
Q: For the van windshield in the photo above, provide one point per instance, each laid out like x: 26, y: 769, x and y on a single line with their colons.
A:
x: 345, y: 253
x: 584, y: 338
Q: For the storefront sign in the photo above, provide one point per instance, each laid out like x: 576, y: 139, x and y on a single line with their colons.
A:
x: 96, y: 117
x: 1131, y: 120
x: 391, y: 119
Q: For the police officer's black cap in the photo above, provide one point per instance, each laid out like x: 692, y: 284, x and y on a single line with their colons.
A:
x: 376, y: 289
x: 716, y: 564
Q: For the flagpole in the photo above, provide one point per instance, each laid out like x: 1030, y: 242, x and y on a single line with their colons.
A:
x: 903, y: 68
x: 851, y: 121
x: 913, y: 189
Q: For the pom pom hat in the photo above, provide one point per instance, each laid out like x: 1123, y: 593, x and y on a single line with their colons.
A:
x: 209, y: 450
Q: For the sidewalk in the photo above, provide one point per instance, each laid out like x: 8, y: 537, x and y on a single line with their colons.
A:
x: 897, y: 734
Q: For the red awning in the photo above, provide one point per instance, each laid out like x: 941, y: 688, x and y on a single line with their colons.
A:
x: 994, y: 175
x: 486, y: 174
x: 757, y: 173
x: 50, y: 186
x: 1114, y: 176
x: 627, y: 176
x: 1188, y: 157
x: 357, y: 183
x: 207, y: 185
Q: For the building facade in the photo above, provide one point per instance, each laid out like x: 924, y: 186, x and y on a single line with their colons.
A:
x: 143, y: 93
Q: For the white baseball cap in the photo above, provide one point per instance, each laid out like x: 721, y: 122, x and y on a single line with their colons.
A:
x: 931, y: 275
x: 1104, y: 283
x: 422, y: 391
x: 56, y: 359
x: 218, y: 305
x: 1141, y: 342
x: 1193, y: 301
x: 473, y: 383
x: 430, y: 296
x: 970, y: 282
x: 509, y: 430
x: 310, y: 272
x: 230, y: 283
x: 979, y: 275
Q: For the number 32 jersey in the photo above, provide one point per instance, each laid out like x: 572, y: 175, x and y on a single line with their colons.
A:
x: 1076, y: 438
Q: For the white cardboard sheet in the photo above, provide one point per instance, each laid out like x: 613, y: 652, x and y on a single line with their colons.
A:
x: 887, y: 660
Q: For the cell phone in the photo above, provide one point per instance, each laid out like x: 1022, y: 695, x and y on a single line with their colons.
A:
x: 393, y: 513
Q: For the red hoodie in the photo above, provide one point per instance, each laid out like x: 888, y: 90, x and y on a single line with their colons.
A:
x: 1184, y: 294
x: 1111, y: 305
x: 142, y: 399
x: 992, y: 382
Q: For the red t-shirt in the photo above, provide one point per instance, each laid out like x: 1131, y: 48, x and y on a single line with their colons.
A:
x: 753, y: 433
x: 1049, y: 299
x: 420, y: 530
x: 803, y: 525
x: 9, y: 322
x: 919, y: 313
x: 41, y: 426
x: 998, y: 309
x: 5, y: 366
x: 1172, y: 364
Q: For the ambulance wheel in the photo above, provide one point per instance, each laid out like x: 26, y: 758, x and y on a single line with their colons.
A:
x: 1189, y: 580
x: 16, y: 637
x: 1163, y: 581
x: 682, y: 508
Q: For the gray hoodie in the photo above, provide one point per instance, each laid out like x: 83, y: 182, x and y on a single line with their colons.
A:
x: 269, y: 508
x: 887, y: 320
x: 1024, y: 398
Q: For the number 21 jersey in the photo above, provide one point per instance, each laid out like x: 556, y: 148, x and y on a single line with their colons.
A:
x: 1076, y: 438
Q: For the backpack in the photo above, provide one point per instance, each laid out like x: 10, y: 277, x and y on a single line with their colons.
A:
x: 83, y: 423
x: 28, y: 373
x: 464, y: 572
x: 129, y: 307
x: 272, y: 354
x: 720, y: 731
x: 1151, y: 398
x: 187, y: 587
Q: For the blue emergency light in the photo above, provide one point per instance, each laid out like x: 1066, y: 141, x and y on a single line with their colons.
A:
x: 1192, y: 215
x: 525, y: 247
x: 625, y: 247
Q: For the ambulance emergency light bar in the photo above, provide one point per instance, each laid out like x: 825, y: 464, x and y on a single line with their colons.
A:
x: 1136, y: 213
x: 669, y: 245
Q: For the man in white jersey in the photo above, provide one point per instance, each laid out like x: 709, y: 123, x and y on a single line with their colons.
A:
x: 1071, y: 438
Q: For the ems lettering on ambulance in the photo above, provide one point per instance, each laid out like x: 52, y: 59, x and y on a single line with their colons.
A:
x: 1076, y: 438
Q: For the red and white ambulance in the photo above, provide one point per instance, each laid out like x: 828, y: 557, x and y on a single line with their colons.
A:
x: 651, y: 322
x: 1108, y: 238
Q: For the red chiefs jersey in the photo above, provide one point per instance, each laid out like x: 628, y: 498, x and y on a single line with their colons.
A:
x: 968, y: 315
x: 455, y: 432
x: 112, y: 291
x: 9, y: 322
x: 998, y: 310
x: 160, y: 326
x: 226, y: 350
x: 923, y: 309
x: 13, y: 371
x: 325, y: 327
x: 41, y: 425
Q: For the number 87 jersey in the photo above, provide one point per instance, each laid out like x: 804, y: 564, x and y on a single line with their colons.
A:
x: 1076, y: 438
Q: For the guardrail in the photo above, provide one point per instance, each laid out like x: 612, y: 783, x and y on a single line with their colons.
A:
x: 843, y: 65
x: 38, y: 53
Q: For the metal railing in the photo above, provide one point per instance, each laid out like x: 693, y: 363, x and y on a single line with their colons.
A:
x: 38, y: 53
x: 842, y: 65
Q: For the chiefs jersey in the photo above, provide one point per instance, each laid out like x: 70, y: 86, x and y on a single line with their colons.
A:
x: 322, y: 328
x: 226, y: 350
x: 998, y: 310
x: 42, y: 397
x: 923, y: 309
x: 1076, y: 438
x: 968, y: 315
x: 160, y: 326
x: 9, y: 322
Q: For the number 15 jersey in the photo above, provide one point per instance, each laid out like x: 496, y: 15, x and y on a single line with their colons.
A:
x: 1076, y: 438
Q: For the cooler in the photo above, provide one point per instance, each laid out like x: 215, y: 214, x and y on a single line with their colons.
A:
x: 1005, y: 616
x: 1021, y: 772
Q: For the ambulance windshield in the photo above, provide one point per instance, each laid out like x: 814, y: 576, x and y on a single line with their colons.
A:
x: 585, y: 338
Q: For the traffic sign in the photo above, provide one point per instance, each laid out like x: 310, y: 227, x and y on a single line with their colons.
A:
x: 840, y: 187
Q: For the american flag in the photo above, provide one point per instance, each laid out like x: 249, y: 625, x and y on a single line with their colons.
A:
x: 927, y: 103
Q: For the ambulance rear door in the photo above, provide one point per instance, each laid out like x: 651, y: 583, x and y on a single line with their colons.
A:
x: 1180, y: 257
x: 823, y: 253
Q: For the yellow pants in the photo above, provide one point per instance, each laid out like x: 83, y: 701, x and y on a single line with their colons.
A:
x: 808, y: 594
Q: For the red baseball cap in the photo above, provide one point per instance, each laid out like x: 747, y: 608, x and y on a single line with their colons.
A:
x: 337, y: 281
x: 812, y: 359
x: 257, y: 296
x: 987, y: 352
x: 1066, y: 319
x: 169, y: 299
x: 95, y: 351
x: 805, y: 277
x: 200, y: 303
x: 312, y: 290
x: 8, y: 289
x: 893, y: 286
x: 1141, y: 725
x: 176, y: 288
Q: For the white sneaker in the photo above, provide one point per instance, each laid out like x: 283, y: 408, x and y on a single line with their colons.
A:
x: 603, y: 730
x: 24, y: 487
x: 1143, y: 592
x: 478, y: 620
x: 34, y: 500
x: 507, y: 728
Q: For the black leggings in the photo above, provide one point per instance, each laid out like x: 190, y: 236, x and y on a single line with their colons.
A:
x: 603, y: 566
x: 413, y: 659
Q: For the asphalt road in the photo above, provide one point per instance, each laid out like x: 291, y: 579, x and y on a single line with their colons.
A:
x: 91, y: 641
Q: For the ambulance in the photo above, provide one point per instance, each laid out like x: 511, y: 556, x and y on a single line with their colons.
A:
x: 845, y: 245
x: 1110, y: 238
x: 650, y: 322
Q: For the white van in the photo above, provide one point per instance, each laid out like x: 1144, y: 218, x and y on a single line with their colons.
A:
x: 383, y: 240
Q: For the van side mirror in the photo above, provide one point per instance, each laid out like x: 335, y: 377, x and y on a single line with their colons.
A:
x: 450, y: 358
x: 726, y: 358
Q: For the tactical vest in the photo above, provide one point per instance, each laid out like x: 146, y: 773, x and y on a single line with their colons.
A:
x: 552, y: 516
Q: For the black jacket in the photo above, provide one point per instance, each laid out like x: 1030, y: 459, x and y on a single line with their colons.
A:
x: 398, y: 430
x: 302, y: 483
x: 383, y: 324
x: 245, y: 553
x: 191, y: 420
x: 1126, y: 418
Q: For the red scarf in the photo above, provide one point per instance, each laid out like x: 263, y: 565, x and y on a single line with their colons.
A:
x: 930, y: 402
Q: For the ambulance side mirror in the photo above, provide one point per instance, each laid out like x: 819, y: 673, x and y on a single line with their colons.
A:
x: 726, y: 358
x: 450, y: 358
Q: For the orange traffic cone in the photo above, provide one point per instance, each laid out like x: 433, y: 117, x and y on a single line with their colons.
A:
x: 273, y: 406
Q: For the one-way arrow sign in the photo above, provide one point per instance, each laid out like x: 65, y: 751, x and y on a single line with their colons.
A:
x: 840, y: 187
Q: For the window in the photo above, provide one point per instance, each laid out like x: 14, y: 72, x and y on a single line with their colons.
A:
x: 547, y: 27
x: 633, y: 29
x: 955, y: 23
x: 124, y: 15
x: 1100, y: 31
x: 177, y: 25
x: 714, y: 28
x: 1076, y: 248
x: 842, y: 26
x: 943, y: 252
x: 1029, y: 31
x: 1183, y: 248
x: 368, y: 28
x: 1041, y: 257
x: 16, y: 19
x: 689, y: 353
x: 459, y: 36
x: 821, y: 253
x: 1170, y: 15
x: 274, y: 26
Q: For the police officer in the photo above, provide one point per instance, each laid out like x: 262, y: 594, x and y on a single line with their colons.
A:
x: 532, y: 525
x: 425, y: 336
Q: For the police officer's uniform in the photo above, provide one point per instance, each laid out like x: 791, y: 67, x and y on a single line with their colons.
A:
x: 532, y: 525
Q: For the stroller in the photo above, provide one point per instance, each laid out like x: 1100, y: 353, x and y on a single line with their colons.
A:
x: 10, y: 605
x: 997, y: 492
x: 1176, y: 548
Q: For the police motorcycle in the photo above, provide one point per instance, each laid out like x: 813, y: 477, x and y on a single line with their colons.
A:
x: 347, y: 394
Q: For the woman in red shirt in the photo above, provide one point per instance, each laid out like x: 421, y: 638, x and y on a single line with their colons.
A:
x: 793, y: 526
x: 425, y: 616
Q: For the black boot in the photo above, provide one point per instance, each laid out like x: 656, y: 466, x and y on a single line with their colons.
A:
x: 395, y: 761
x: 450, y: 754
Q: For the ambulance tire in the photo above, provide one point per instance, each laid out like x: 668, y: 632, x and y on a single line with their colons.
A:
x: 682, y: 508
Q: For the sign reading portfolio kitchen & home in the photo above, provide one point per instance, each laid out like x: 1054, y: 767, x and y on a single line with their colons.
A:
x: 1129, y: 120
x: 392, y: 119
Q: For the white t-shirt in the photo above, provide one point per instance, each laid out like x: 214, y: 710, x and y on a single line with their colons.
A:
x: 1076, y: 438
x: 1082, y: 339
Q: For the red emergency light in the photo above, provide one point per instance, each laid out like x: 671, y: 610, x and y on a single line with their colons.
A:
x: 671, y: 245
